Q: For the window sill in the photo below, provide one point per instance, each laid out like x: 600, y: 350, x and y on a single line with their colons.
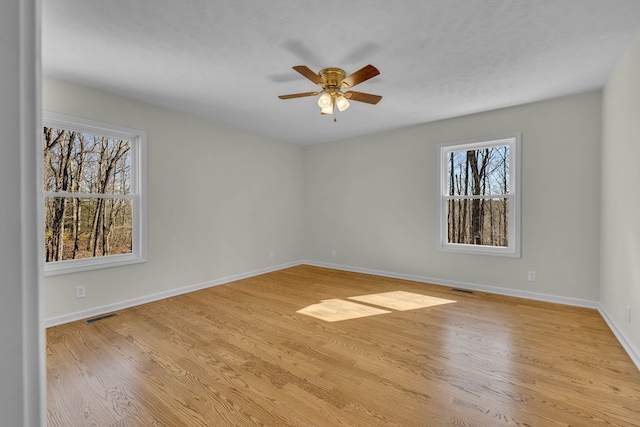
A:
x: 78, y: 265
x: 500, y: 251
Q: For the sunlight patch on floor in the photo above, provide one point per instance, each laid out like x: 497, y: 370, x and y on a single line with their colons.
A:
x: 334, y: 310
x: 401, y: 300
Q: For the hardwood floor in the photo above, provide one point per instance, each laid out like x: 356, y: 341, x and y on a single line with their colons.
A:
x: 240, y: 355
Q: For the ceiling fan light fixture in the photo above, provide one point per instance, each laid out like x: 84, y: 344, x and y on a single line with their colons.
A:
x: 328, y: 109
x: 342, y: 103
x: 325, y: 100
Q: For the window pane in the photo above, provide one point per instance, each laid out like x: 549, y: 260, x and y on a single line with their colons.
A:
x: 478, y: 221
x: 78, y: 162
x: 478, y: 172
x: 86, y: 228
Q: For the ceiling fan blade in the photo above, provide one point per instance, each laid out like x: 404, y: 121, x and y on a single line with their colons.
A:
x: 362, y: 97
x: 363, y: 74
x: 298, y: 95
x: 308, y: 73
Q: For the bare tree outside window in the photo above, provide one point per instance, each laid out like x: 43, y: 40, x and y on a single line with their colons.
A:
x: 480, y: 198
x: 477, y: 214
x: 98, y: 168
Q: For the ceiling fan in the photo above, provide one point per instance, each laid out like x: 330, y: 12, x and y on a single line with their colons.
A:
x: 333, y: 81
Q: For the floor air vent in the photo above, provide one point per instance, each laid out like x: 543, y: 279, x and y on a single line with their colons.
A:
x: 464, y: 291
x: 99, y: 318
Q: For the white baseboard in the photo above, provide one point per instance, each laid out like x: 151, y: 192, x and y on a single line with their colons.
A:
x: 97, y: 311
x: 465, y: 285
x: 626, y: 343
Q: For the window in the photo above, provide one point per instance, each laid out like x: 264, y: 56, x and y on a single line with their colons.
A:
x: 94, y: 194
x: 479, y: 196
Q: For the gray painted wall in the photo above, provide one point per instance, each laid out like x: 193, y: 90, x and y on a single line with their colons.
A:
x: 373, y: 199
x: 620, y: 282
x: 219, y: 201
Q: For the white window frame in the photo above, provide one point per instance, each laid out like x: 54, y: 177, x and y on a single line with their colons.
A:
x: 514, y: 143
x: 138, y: 194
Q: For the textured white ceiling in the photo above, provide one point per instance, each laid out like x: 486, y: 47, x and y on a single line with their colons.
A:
x: 227, y: 61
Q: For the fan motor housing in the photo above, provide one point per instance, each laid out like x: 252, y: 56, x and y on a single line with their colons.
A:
x: 333, y: 76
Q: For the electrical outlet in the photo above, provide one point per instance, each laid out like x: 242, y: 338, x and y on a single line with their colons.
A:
x: 334, y: 253
x: 80, y: 291
x: 629, y: 314
x: 273, y: 254
x: 531, y: 276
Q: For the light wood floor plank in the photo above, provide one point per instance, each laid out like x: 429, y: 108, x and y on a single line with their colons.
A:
x: 240, y: 355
